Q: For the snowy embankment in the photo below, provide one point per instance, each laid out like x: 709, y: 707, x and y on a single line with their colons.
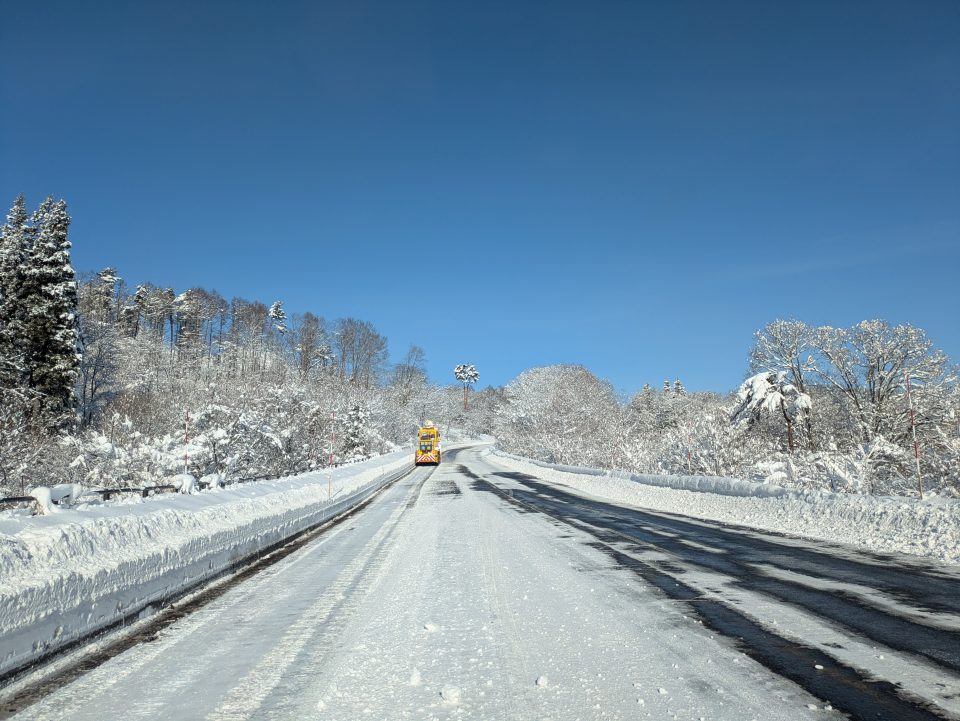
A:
x: 67, y: 575
x: 888, y: 524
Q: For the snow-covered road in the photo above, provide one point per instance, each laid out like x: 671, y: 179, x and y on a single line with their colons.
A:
x: 474, y: 592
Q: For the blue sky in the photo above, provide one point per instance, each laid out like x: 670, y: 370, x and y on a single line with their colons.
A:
x: 632, y: 186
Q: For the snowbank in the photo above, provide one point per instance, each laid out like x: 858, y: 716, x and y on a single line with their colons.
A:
x: 71, y: 573
x: 703, y: 484
x: 906, y: 525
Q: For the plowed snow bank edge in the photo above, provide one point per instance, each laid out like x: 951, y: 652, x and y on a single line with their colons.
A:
x: 929, y: 528
x: 66, y: 576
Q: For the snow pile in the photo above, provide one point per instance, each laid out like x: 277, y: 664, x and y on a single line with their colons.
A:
x: 703, y: 484
x: 70, y: 573
x: 907, y: 525
x: 184, y: 483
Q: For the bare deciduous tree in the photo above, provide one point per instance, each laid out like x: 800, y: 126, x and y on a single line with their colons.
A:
x: 869, y: 364
x: 361, y: 351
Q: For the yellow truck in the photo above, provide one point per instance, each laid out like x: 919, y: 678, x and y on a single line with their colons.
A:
x: 428, y: 446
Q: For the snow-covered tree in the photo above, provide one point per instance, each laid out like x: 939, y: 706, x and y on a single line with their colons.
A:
x: 560, y: 414
x: 641, y: 410
x: 355, y: 434
x: 361, y: 351
x: 104, y: 295
x: 467, y: 374
x: 278, y: 316
x: 869, y: 365
x: 410, y: 374
x: 307, y: 338
x: 772, y: 393
x: 784, y: 345
x: 99, y: 338
x: 787, y: 346
x: 678, y: 388
x: 50, y: 301
x: 188, y: 316
x: 20, y: 441
x: 16, y: 239
x: 158, y: 310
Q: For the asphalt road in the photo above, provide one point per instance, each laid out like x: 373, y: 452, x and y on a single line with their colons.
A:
x: 876, y: 634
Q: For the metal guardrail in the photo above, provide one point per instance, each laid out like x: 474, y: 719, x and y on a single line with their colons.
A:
x: 14, y: 500
x: 144, y: 491
x: 105, y: 493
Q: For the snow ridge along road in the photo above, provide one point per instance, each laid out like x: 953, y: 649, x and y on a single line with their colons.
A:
x: 68, y: 576
x: 476, y: 593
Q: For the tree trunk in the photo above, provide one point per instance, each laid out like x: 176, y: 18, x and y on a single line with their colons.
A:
x: 786, y: 417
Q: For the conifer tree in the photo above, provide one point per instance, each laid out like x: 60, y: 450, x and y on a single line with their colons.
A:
x: 354, y: 436
x: 278, y: 316
x: 15, y: 241
x: 50, y: 303
x: 104, y: 294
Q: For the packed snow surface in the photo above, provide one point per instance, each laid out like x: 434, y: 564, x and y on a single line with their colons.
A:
x: 930, y: 527
x: 438, y: 601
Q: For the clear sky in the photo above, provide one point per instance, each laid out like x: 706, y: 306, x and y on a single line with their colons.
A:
x: 634, y: 186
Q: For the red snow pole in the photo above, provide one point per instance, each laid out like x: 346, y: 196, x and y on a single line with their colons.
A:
x: 333, y: 440
x: 186, y: 440
x: 916, y: 446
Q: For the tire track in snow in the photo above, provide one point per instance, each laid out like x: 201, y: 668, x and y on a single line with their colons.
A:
x: 91, y: 672
x: 413, y: 635
x: 321, y: 622
x: 309, y: 682
x: 100, y: 681
x: 846, y: 687
x: 511, y: 650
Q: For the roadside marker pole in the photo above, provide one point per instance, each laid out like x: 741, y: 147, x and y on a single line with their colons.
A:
x: 186, y: 440
x: 333, y: 440
x: 916, y: 446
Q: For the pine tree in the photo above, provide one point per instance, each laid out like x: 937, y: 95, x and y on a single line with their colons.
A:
x: 467, y: 374
x: 354, y: 435
x: 678, y: 388
x: 15, y: 242
x: 278, y: 316
x: 50, y: 302
x: 666, y: 386
x: 104, y: 294
x: 135, y: 312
